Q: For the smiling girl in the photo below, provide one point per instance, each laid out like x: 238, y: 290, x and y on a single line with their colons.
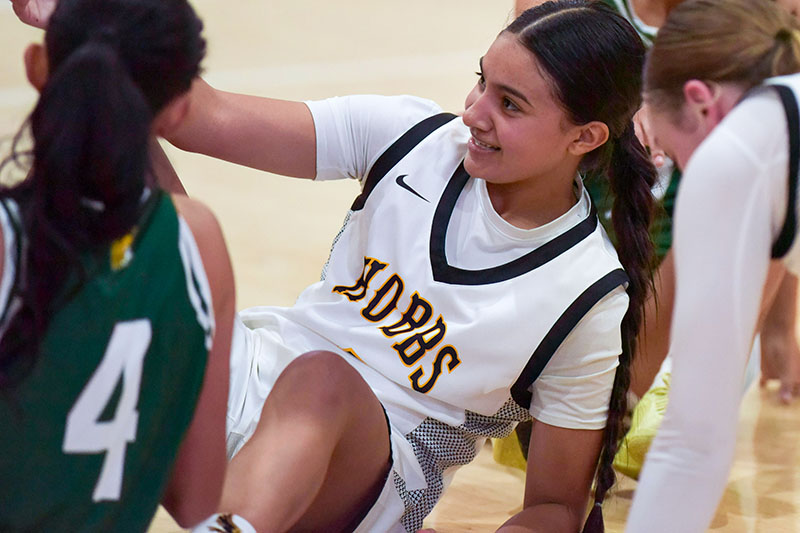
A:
x: 471, y: 286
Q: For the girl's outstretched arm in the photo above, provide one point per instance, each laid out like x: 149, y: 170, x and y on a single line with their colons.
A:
x: 264, y: 133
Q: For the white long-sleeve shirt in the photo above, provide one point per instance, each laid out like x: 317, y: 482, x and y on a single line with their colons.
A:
x: 730, y: 210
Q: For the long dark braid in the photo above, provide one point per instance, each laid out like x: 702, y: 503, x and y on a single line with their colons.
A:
x: 594, y: 59
x: 631, y: 216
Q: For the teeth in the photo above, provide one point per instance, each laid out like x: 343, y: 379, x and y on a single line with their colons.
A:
x: 484, y: 145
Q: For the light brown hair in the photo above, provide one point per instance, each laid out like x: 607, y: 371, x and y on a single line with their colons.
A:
x: 734, y: 41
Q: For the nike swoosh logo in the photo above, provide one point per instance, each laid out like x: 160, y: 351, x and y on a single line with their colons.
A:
x: 402, y: 182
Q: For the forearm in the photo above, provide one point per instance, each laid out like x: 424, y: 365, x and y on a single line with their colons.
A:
x: 687, y: 464
x: 781, y: 317
x: 721, y: 273
x: 561, y: 465
x: 273, y: 135
x: 545, y: 518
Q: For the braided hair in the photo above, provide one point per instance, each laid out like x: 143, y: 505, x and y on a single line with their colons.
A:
x: 595, y: 70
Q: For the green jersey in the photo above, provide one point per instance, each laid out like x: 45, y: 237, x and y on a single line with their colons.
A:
x: 624, y: 8
x: 91, y: 432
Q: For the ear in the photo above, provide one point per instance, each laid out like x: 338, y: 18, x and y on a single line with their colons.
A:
x: 702, y: 103
x: 36, y: 67
x: 589, y: 136
x: 171, y: 115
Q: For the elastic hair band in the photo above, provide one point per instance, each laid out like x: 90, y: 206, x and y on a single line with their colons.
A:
x: 785, y: 35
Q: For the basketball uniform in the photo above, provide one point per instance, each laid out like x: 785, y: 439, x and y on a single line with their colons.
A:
x: 741, y: 189
x: 92, y: 430
x: 448, y: 312
x: 625, y: 8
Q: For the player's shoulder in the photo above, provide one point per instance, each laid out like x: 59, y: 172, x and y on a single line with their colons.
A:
x: 196, y: 214
x: 204, y: 228
x: 752, y: 135
x: 413, y: 105
x: 396, y: 103
x: 394, y: 112
x: 207, y: 233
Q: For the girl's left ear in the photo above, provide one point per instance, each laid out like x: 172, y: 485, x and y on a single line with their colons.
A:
x: 702, y: 100
x: 710, y: 102
x: 36, y: 67
x: 590, y: 136
x: 171, y: 115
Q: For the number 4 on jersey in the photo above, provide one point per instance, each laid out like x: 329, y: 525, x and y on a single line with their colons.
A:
x: 85, y: 433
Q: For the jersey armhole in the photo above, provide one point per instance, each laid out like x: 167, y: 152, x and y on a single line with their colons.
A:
x: 788, y: 232
x: 520, y: 391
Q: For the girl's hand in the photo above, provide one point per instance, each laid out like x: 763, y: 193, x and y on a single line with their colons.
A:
x: 34, y: 12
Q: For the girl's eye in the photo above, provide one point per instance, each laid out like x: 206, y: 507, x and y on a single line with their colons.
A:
x: 508, y: 104
x: 481, y: 79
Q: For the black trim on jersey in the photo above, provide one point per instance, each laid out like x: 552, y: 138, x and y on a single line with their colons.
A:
x: 560, y: 330
x: 15, y: 288
x: 787, y: 234
x: 446, y: 273
x: 397, y: 151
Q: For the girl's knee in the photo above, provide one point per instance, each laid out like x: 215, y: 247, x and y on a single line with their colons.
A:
x: 326, y: 376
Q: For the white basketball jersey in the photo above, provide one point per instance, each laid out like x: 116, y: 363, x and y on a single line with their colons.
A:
x: 786, y: 247
x: 391, y: 298
x: 448, y: 341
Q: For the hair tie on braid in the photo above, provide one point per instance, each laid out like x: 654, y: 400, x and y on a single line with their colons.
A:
x: 92, y: 204
x: 784, y: 35
x: 787, y: 35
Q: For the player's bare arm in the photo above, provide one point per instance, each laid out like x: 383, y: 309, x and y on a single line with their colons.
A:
x: 195, y: 487
x: 561, y: 466
x: 224, y: 125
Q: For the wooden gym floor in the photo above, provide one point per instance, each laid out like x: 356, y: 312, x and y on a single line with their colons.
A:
x: 279, y: 230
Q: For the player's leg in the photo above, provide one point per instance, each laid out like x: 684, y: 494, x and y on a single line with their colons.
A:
x: 320, y: 449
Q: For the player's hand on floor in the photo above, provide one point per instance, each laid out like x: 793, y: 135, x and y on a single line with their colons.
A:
x: 34, y: 12
x: 780, y: 360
